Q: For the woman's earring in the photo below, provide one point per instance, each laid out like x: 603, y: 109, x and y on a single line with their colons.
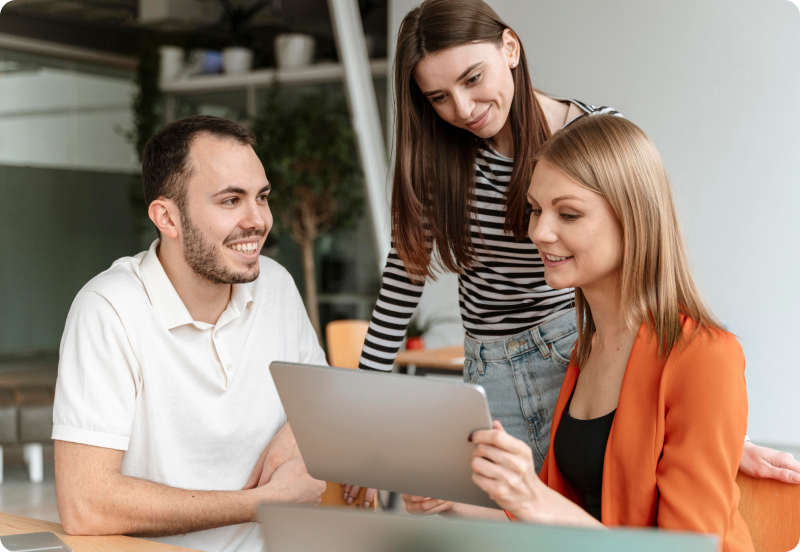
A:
x: 513, y: 65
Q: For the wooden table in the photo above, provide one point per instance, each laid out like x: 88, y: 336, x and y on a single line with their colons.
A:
x: 15, y: 525
x: 443, y: 358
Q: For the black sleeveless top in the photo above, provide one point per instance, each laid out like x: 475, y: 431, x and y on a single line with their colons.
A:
x: 580, y: 449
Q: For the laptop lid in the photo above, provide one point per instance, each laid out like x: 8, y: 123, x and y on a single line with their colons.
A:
x: 289, y: 529
x: 385, y: 431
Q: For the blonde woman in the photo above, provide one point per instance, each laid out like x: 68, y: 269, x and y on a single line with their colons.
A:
x: 650, y: 421
x: 468, y: 120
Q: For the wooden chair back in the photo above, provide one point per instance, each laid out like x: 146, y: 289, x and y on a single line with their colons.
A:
x: 771, y: 510
x: 345, y: 339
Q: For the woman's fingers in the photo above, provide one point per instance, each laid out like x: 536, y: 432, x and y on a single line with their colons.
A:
x: 425, y: 505
x: 491, y: 453
x: 484, y: 467
x: 484, y: 483
x: 500, y: 439
x: 369, y: 497
x: 442, y: 506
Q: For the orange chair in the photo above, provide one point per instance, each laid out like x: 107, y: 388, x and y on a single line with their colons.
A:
x: 345, y: 340
x: 771, y: 510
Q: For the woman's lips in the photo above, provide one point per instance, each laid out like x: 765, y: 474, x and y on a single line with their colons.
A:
x: 478, y: 123
x: 548, y: 262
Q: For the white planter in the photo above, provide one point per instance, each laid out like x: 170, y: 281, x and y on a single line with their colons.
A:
x: 294, y: 50
x: 237, y: 60
x: 171, y: 62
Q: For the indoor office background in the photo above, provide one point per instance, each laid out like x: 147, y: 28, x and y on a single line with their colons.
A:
x: 714, y: 82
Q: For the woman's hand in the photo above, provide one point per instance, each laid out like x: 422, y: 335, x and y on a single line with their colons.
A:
x: 769, y: 463
x: 425, y: 506
x: 503, y: 467
x: 351, y: 493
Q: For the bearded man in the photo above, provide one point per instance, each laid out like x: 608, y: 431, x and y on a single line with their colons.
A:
x: 164, y: 401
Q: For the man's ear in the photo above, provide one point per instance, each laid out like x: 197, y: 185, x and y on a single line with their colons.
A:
x: 164, y: 214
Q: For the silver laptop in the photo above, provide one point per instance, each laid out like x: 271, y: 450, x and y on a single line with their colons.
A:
x: 385, y: 431
x: 33, y: 542
x: 291, y: 529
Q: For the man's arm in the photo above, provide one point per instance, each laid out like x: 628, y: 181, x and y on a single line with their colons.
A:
x: 94, y: 498
x: 281, y: 449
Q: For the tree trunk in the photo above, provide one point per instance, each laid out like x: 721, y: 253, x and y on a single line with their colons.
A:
x: 310, y: 278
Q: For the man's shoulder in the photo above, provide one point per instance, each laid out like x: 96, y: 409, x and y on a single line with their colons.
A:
x: 272, y: 273
x: 120, y: 282
x: 274, y: 286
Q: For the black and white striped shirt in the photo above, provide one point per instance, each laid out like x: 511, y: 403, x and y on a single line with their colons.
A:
x: 502, y: 294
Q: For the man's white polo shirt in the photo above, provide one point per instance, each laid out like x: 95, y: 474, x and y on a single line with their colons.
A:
x: 192, y: 404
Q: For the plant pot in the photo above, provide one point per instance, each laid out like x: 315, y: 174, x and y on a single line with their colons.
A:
x: 414, y: 344
x: 237, y: 60
x: 294, y: 50
x: 203, y: 62
x: 171, y: 62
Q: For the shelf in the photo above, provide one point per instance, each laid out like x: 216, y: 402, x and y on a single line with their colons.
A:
x: 314, y: 74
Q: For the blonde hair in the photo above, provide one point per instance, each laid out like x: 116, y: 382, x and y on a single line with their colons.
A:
x: 613, y: 157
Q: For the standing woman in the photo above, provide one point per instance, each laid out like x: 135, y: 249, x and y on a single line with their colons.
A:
x: 468, y: 122
x: 465, y: 106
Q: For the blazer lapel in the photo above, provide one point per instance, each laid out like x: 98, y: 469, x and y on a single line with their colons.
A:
x: 633, y: 446
x: 550, y: 473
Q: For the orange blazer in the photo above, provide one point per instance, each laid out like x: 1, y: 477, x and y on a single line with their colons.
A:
x: 676, y: 441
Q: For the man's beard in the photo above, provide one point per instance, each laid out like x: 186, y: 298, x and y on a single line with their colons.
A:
x: 205, y: 259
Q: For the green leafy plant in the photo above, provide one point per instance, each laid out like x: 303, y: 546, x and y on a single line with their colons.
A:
x: 307, y: 146
x: 147, y: 119
x: 236, y: 19
x: 418, y: 328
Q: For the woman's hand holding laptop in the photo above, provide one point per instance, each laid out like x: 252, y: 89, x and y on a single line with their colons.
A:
x: 503, y: 467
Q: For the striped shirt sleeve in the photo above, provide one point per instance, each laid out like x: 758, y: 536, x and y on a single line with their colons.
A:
x: 502, y: 294
x: 397, y: 301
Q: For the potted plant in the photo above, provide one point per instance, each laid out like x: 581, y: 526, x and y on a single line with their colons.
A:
x: 415, y: 332
x: 307, y: 147
x: 294, y: 50
x: 238, y: 57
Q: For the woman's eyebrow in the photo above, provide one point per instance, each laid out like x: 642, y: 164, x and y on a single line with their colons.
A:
x: 469, y: 70
x: 559, y: 198
x: 461, y: 76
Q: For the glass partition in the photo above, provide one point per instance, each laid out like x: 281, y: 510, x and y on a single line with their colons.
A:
x: 65, y: 169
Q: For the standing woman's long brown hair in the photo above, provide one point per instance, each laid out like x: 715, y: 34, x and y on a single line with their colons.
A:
x: 434, y: 160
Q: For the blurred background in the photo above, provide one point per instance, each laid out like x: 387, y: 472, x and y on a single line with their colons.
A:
x: 84, y: 84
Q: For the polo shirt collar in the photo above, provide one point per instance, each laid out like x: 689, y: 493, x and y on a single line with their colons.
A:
x: 168, y: 303
x: 241, y: 297
x: 164, y: 298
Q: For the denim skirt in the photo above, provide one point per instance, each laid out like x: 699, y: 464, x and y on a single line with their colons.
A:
x: 522, y: 377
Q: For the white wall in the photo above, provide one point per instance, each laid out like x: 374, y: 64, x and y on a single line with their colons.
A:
x: 59, y: 118
x: 716, y: 84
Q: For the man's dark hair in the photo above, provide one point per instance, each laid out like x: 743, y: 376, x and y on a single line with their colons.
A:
x: 165, y: 161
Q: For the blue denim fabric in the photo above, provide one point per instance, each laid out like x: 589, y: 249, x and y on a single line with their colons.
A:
x: 522, y: 377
